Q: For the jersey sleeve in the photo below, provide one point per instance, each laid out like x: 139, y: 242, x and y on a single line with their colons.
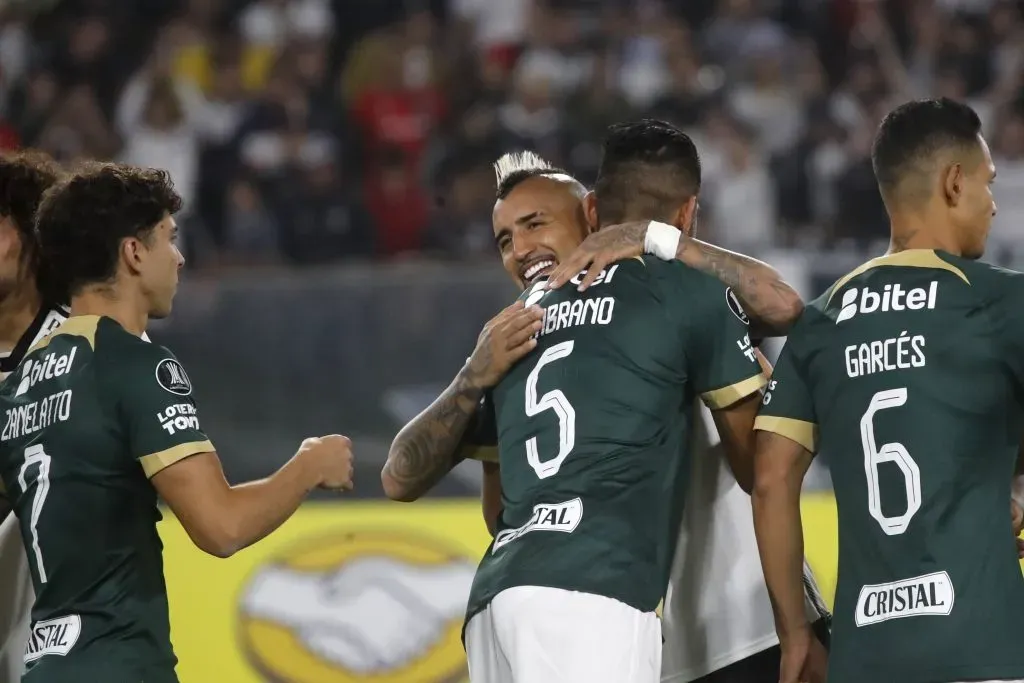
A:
x: 480, y: 441
x: 1009, y: 322
x: 787, y: 408
x: 157, y: 409
x: 721, y: 359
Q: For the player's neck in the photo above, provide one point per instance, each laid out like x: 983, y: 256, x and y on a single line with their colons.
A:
x: 17, y: 311
x: 920, y: 232
x: 132, y: 315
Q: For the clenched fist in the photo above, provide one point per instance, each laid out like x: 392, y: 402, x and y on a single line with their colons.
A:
x: 505, y: 339
x: 330, y: 457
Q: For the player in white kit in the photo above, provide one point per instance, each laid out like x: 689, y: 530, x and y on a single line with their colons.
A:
x: 717, y: 619
x: 25, y: 317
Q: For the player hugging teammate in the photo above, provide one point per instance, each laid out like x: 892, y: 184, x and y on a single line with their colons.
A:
x: 593, y: 426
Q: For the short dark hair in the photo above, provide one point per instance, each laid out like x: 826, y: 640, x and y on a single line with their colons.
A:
x: 912, y: 133
x: 649, y: 168
x: 83, y: 219
x: 24, y: 177
x: 514, y: 168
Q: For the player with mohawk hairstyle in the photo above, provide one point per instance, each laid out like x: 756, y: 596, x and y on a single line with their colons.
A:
x: 593, y: 424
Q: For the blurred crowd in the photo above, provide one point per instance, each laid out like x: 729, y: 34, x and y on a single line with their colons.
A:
x: 308, y: 131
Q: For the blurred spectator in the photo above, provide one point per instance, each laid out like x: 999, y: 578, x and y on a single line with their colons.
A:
x: 531, y: 118
x: 321, y: 218
x: 739, y: 194
x: 461, y: 225
x: 398, y: 204
x: 164, y: 137
x: 1008, y: 155
x: 251, y: 235
x: 301, y: 134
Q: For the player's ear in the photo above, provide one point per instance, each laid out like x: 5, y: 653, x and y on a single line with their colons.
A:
x: 686, y: 216
x: 131, y: 254
x: 590, y: 211
x: 953, y: 184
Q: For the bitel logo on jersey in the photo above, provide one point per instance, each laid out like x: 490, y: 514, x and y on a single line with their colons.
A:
x: 893, y: 297
x: 374, y: 604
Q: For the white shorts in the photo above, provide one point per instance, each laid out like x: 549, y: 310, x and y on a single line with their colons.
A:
x: 16, y: 598
x: 532, y: 634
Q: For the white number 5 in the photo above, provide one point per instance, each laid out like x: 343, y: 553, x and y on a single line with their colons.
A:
x: 553, y: 400
x: 36, y: 455
x: 890, y: 452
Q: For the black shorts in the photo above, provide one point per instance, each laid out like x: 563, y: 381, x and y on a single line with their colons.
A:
x: 762, y: 667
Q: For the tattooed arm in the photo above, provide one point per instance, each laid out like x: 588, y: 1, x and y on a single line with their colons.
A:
x: 772, y: 304
x: 430, y: 446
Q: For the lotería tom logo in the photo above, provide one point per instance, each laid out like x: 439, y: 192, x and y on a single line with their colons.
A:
x: 373, y: 605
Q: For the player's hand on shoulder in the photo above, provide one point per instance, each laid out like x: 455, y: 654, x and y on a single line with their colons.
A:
x: 598, y: 250
x: 331, y: 458
x: 505, y: 339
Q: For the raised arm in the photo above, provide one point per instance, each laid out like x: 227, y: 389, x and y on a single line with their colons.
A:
x: 431, y: 444
x: 771, y: 303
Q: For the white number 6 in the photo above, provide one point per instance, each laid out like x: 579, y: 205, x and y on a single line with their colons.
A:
x: 890, y: 452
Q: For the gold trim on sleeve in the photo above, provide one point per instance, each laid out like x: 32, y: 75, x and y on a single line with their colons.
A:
x: 803, y: 432
x: 154, y: 462
x: 481, y: 453
x: 717, y: 399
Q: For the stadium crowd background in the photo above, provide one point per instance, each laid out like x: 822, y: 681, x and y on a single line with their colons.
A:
x: 316, y: 131
x: 334, y: 157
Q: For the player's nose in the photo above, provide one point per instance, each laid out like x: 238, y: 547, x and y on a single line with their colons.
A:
x: 522, y: 247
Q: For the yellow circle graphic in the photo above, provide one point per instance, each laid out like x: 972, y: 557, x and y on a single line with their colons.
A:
x: 370, y: 606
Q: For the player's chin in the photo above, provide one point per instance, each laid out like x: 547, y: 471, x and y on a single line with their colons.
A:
x: 160, y: 310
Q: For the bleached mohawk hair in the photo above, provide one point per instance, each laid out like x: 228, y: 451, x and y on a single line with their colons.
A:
x: 515, y: 167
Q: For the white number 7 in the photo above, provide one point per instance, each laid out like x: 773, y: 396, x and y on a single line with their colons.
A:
x: 890, y: 452
x: 36, y: 455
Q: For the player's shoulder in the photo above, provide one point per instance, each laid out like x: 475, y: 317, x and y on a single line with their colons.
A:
x: 130, y: 354
x: 678, y: 276
x: 991, y: 279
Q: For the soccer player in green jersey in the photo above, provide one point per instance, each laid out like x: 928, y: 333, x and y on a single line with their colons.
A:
x: 96, y: 422
x: 590, y: 425
x: 26, y: 315
x: 909, y: 373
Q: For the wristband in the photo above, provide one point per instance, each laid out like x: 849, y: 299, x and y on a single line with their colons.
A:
x: 662, y: 240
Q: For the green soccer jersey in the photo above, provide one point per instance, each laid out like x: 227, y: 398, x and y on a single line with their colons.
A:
x: 592, y: 424
x: 89, y: 415
x: 909, y: 374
